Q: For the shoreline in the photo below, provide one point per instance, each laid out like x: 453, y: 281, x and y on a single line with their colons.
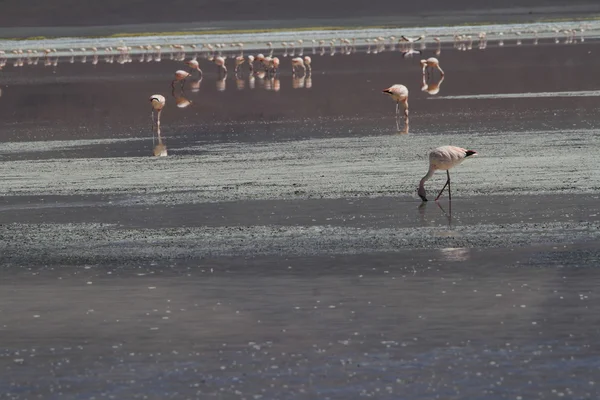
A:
x: 256, y: 38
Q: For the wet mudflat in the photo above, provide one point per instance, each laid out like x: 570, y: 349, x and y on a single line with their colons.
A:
x: 280, y: 250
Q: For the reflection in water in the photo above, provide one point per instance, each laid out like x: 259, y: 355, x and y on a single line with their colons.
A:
x: 221, y: 83
x: 195, y: 85
x: 432, y: 87
x: 455, y: 253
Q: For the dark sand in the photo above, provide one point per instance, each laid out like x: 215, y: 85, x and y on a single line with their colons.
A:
x: 280, y: 251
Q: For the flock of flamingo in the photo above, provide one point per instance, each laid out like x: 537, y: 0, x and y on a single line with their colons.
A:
x: 267, y: 68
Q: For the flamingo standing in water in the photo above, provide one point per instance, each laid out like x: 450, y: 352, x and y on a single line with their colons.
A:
x: 220, y: 61
x: 298, y: 62
x: 158, y: 103
x: 399, y: 93
x: 180, y: 76
x: 194, y: 65
x: 431, y: 62
x: 307, y: 62
x: 443, y: 158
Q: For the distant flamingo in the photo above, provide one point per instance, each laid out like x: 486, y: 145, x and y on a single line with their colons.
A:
x: 251, y: 63
x: 431, y: 62
x: 298, y: 62
x: 194, y: 65
x: 180, y: 76
x: 239, y: 60
x: 443, y: 158
x: 411, y: 40
x: 220, y: 61
x: 275, y: 65
x: 307, y: 63
x: 158, y: 103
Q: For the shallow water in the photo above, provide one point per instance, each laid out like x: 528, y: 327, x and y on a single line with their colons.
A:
x: 280, y: 251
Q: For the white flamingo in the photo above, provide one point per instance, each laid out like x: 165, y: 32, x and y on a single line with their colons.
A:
x: 443, y: 158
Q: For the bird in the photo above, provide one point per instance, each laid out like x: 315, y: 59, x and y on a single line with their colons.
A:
x: 398, y: 93
x: 298, y: 62
x: 274, y: 65
x: 239, y: 60
x: 411, y: 40
x: 220, y: 61
x: 307, y: 62
x: 251, y: 63
x: 443, y: 158
x: 431, y: 62
x: 180, y: 75
x: 194, y: 65
x: 158, y: 103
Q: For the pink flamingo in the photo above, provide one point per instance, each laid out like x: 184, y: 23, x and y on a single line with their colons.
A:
x: 431, y: 62
x: 180, y: 76
x: 194, y: 65
x: 443, y: 158
x: 399, y: 93
x: 158, y: 103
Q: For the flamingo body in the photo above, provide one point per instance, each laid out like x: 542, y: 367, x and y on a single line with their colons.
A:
x: 443, y: 158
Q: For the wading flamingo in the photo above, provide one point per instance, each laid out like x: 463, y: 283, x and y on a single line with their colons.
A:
x: 194, y: 65
x: 298, y: 62
x: 399, y: 94
x: 431, y: 62
x: 158, y: 102
x: 180, y: 76
x: 443, y: 158
x: 307, y: 62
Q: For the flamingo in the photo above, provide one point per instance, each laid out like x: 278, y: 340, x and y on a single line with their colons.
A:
x: 194, y: 65
x: 298, y: 62
x: 220, y: 61
x: 239, y: 60
x: 443, y: 158
x: 411, y: 40
x: 399, y: 94
x: 307, y: 62
x: 275, y: 65
x: 180, y: 75
x: 158, y: 103
x: 251, y: 63
x: 431, y: 62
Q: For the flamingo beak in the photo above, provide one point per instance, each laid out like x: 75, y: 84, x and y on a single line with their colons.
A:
x: 387, y: 91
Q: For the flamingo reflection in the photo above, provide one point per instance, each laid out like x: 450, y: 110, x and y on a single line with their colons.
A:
x: 432, y: 88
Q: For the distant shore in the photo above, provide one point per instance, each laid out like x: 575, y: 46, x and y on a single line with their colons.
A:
x: 257, y: 25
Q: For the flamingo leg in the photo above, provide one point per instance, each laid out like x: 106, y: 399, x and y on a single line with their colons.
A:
x: 449, y: 191
x: 446, y: 184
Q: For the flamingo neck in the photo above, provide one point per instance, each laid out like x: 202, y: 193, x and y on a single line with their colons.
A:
x: 426, y: 177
